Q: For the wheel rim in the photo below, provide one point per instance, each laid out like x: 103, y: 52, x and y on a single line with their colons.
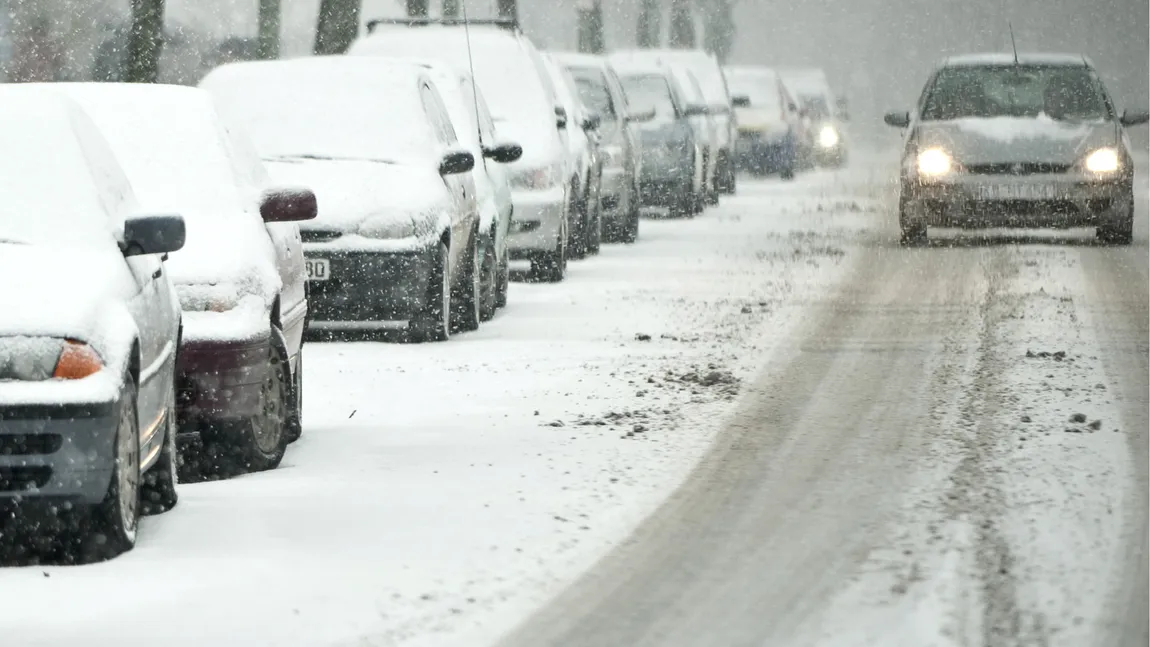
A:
x: 127, y: 470
x: 269, y: 427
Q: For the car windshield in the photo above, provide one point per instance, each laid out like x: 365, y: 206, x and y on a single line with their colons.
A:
x: 761, y: 89
x: 592, y: 88
x: 649, y: 92
x: 815, y: 105
x: 1059, y: 92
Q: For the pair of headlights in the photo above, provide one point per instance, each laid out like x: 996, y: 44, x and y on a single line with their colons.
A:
x: 935, y: 162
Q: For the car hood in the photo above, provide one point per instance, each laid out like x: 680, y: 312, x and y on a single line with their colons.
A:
x: 351, y: 192
x: 229, y: 251
x: 1016, y: 139
x: 66, y: 291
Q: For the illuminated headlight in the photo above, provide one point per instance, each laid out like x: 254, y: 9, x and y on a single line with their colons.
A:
x: 934, y: 162
x: 1103, y: 160
x: 536, y: 179
x: 828, y: 137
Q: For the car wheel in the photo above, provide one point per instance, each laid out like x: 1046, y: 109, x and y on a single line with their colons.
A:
x: 504, y: 281
x: 594, y: 237
x: 158, y: 487
x: 1121, y: 233
x: 295, y: 412
x: 788, y: 173
x: 263, y: 438
x: 117, y: 518
x: 433, y: 322
x: 728, y: 174
x: 468, y: 300
x: 551, y: 267
x: 490, y: 283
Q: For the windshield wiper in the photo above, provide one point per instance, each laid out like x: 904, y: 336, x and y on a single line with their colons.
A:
x: 330, y: 158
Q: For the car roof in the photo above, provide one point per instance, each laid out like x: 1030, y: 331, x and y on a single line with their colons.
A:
x: 666, y: 54
x: 1007, y: 58
x: 760, y: 71
x: 580, y: 59
x: 330, y: 67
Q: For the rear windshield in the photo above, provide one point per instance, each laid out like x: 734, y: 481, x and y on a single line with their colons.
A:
x: 649, y: 91
x: 592, y: 87
x: 762, y: 90
x: 1059, y: 92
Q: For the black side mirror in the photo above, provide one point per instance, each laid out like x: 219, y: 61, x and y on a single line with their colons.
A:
x: 560, y: 117
x: 503, y: 153
x: 897, y: 119
x: 456, y: 162
x: 741, y: 101
x: 1134, y: 117
x: 289, y: 205
x: 638, y: 116
x: 695, y: 110
x: 153, y: 235
x: 591, y: 121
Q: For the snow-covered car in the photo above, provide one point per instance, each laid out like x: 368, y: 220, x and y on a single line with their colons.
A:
x: 585, y: 169
x: 396, y: 242
x: 599, y: 88
x: 88, y: 331
x: 706, y: 69
x: 240, y: 277
x: 824, y: 120
x: 1026, y: 141
x: 671, y: 171
x: 509, y: 70
x: 706, y: 132
x: 477, y: 133
x: 769, y: 122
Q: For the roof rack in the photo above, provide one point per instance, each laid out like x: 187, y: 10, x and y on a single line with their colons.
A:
x: 506, y: 23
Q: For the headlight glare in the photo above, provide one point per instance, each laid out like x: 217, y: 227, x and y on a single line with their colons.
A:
x: 1103, y: 160
x: 828, y: 137
x: 934, y: 162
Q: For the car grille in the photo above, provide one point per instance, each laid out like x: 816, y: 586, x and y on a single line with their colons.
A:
x: 318, y: 235
x: 1017, y: 168
x: 30, y: 444
x: 1026, y: 207
x: 18, y: 479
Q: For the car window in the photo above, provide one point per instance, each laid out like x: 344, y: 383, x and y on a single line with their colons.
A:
x: 486, y: 123
x: 591, y: 85
x: 436, y: 113
x: 1058, y: 92
x: 649, y: 92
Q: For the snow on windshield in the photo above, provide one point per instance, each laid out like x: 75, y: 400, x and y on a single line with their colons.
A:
x: 354, y: 108
x: 1061, y: 92
x: 649, y: 92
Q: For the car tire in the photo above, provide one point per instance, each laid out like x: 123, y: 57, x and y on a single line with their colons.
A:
x: 1121, y: 233
x: 295, y: 412
x: 467, y: 301
x: 260, y: 441
x: 727, y: 169
x: 551, y: 267
x: 117, y: 518
x: 577, y: 230
x: 913, y: 233
x: 158, y: 485
x: 433, y: 324
x: 594, y: 233
x: 788, y: 173
x: 504, y: 281
x: 490, y: 268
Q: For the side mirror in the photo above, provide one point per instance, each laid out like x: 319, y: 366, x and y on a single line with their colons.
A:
x: 153, y: 235
x: 637, y: 116
x: 741, y: 101
x: 897, y: 119
x: 560, y: 117
x: 592, y: 121
x: 695, y: 110
x: 503, y: 153
x: 289, y: 205
x: 456, y: 162
x: 1134, y: 117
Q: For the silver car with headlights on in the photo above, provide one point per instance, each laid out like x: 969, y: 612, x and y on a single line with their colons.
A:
x: 1029, y: 141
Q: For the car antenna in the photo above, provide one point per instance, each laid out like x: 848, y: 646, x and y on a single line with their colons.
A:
x: 1012, y: 45
x: 471, y: 70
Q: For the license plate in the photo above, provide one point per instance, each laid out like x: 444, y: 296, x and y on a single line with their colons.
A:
x: 1017, y: 192
x: 318, y: 269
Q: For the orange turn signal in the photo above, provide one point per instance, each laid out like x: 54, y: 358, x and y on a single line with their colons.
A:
x: 77, y: 360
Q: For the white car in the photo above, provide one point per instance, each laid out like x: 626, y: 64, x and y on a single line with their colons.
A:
x: 824, y: 114
x: 88, y: 331
x: 511, y: 74
x: 240, y: 277
x: 770, y: 127
x: 396, y: 242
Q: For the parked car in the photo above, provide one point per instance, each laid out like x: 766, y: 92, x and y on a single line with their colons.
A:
x: 477, y: 133
x: 671, y: 167
x: 825, y: 114
x: 770, y: 127
x: 396, y: 243
x: 706, y: 69
x: 599, y: 88
x: 88, y: 331
x: 1030, y: 140
x: 510, y: 72
x: 240, y: 277
x: 581, y: 134
x: 706, y: 129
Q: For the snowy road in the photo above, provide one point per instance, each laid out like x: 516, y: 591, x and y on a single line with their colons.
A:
x: 862, y: 444
x: 952, y: 451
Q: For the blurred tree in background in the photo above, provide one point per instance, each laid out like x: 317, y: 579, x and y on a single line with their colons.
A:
x: 507, y: 9
x: 418, y: 8
x: 452, y: 8
x: 591, y: 39
x: 719, y: 28
x: 650, y: 24
x: 338, y: 25
x: 682, y: 25
x: 269, y: 29
x: 145, y: 41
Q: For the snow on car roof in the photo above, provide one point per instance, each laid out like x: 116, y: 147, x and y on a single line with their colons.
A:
x: 1007, y: 58
x: 704, y: 66
x: 751, y: 72
x: 578, y: 59
x: 355, y: 107
x: 60, y: 181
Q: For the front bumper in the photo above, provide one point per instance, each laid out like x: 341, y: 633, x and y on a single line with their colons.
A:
x: 61, y: 453
x: 369, y: 287
x: 771, y: 153
x: 1055, y: 201
x: 220, y: 381
x: 536, y: 222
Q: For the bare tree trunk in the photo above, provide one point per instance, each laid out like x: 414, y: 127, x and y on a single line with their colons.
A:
x: 719, y: 34
x: 682, y: 25
x: 452, y: 8
x: 269, y: 29
x: 649, y: 27
x: 508, y: 9
x: 418, y: 8
x: 338, y: 26
x: 591, y: 39
x: 145, y: 41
